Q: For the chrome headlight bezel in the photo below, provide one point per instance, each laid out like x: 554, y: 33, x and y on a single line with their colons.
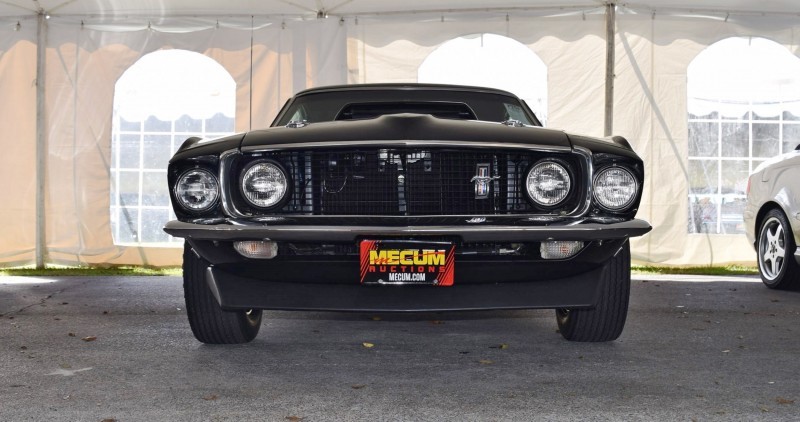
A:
x: 284, y: 194
x: 210, y: 178
x: 628, y: 202
x: 559, y: 166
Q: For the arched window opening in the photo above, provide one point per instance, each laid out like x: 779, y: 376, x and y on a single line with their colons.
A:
x: 164, y: 98
x: 744, y: 107
x: 492, y: 61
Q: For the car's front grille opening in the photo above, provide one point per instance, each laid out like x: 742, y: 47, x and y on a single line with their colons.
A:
x: 412, y: 182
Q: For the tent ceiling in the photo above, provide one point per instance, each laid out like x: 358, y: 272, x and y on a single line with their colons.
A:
x: 152, y: 8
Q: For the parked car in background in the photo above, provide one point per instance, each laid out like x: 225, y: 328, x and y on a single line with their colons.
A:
x: 772, y: 219
x: 402, y: 198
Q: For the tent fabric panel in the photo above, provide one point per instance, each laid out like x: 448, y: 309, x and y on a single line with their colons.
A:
x: 82, y: 68
x: 653, y: 54
x: 18, y: 143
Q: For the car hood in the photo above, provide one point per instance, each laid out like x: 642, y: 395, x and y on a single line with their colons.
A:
x: 400, y: 127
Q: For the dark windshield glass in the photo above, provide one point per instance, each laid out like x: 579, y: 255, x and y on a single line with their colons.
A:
x: 371, y: 103
x: 373, y: 110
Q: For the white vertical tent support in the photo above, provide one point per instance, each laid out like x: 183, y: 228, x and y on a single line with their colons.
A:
x: 41, y: 139
x: 611, y: 20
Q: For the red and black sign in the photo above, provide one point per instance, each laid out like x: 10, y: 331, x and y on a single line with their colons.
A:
x: 407, y: 262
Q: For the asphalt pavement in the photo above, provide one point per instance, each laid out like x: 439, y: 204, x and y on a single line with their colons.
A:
x: 120, y: 348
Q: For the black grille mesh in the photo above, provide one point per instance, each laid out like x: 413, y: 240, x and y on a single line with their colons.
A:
x: 409, y: 181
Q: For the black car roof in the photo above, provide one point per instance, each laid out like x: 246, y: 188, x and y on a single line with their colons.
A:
x: 403, y: 87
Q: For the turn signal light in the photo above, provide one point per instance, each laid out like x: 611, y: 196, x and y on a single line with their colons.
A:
x: 560, y: 249
x: 256, y: 249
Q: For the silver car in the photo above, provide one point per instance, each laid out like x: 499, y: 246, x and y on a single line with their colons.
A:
x: 772, y: 220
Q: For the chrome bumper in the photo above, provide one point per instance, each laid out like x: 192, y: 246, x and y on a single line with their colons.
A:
x: 573, y: 230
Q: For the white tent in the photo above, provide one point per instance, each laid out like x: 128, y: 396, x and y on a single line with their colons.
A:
x: 60, y: 60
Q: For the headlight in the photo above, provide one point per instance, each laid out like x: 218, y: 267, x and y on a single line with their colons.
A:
x: 548, y: 183
x: 615, y: 188
x: 264, y: 184
x: 197, y: 190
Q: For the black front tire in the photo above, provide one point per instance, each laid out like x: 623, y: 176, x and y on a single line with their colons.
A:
x: 606, y: 320
x: 210, y: 324
x: 776, y: 246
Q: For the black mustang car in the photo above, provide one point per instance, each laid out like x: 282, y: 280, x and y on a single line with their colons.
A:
x: 405, y: 197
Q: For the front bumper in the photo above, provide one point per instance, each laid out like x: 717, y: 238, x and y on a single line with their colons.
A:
x: 491, y: 230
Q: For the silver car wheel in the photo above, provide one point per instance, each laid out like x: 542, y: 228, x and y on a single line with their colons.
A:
x: 771, y: 248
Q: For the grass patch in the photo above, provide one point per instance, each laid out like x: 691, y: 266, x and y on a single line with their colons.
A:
x: 131, y: 271
x: 729, y: 270
x: 90, y: 271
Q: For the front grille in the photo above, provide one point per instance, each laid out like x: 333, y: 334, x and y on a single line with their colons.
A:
x: 407, y: 181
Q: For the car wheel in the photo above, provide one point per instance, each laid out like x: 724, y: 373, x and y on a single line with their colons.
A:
x: 776, y: 262
x: 606, y: 320
x: 210, y: 324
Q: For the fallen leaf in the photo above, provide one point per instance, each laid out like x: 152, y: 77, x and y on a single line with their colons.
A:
x: 294, y: 418
x: 57, y: 319
x: 89, y: 338
x: 485, y: 362
x: 376, y: 318
x: 764, y: 409
x: 109, y: 420
x: 774, y: 300
x: 210, y: 397
x: 503, y: 346
x: 358, y: 386
x: 65, y: 303
x: 463, y: 353
x: 437, y: 322
x: 105, y: 312
x: 68, y: 372
x: 23, y: 348
x: 368, y: 345
x: 781, y: 400
x: 71, y: 334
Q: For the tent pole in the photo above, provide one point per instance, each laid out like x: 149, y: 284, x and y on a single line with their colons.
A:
x: 611, y: 20
x: 41, y: 140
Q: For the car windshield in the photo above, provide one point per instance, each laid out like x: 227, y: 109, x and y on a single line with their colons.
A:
x: 370, y: 103
x: 359, y: 111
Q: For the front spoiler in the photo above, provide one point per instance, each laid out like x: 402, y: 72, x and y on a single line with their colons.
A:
x: 577, y: 229
x: 235, y: 292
